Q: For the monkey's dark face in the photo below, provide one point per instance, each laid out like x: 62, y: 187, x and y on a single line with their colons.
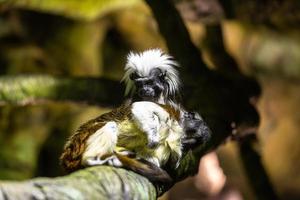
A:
x: 149, y: 88
x: 196, y: 130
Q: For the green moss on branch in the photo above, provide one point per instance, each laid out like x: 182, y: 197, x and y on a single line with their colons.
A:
x: 88, y: 9
x: 101, y: 182
x: 30, y: 89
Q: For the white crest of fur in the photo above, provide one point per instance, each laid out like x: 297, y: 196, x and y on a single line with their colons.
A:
x: 143, y: 63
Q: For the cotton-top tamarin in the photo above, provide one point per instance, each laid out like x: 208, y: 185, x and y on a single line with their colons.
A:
x: 146, y: 133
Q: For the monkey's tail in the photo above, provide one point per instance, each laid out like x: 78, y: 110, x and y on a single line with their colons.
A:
x: 69, y: 163
x: 70, y: 158
x: 145, y: 168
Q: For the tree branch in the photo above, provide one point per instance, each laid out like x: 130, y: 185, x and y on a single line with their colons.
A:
x: 273, y: 14
x: 30, y: 89
x: 83, y: 10
x: 254, y: 169
x: 174, y: 32
x: 221, y: 98
x: 214, y: 44
x: 101, y: 182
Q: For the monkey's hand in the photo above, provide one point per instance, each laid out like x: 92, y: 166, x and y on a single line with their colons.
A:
x: 149, y: 117
x: 195, y: 129
x: 109, y: 159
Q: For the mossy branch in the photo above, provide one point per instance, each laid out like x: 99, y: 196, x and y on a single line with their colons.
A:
x: 86, y: 10
x: 30, y: 89
x: 101, y: 182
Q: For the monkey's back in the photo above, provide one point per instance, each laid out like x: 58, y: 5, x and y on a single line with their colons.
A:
x: 76, y: 144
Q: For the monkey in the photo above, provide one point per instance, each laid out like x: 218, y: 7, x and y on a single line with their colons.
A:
x: 143, y: 134
x: 155, y: 78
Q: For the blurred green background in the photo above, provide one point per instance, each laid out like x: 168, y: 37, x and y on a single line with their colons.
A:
x: 92, y: 38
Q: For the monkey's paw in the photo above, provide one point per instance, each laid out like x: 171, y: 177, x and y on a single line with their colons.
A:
x: 97, y: 160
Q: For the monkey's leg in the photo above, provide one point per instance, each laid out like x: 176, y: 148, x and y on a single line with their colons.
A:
x: 145, y: 168
x: 100, y: 145
x: 149, y: 118
x: 111, y: 159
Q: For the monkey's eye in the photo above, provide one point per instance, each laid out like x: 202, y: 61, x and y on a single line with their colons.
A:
x: 162, y: 76
x: 134, y: 76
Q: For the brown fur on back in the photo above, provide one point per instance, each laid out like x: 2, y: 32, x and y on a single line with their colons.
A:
x: 76, y: 144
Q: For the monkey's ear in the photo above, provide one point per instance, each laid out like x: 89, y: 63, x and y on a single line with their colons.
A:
x: 134, y: 76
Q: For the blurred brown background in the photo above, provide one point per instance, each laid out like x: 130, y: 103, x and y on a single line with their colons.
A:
x: 69, y: 38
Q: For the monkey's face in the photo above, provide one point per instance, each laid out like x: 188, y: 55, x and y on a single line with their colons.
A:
x: 196, y: 130
x: 149, y: 88
x: 191, y: 122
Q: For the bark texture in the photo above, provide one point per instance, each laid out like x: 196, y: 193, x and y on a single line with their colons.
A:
x: 101, y: 182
